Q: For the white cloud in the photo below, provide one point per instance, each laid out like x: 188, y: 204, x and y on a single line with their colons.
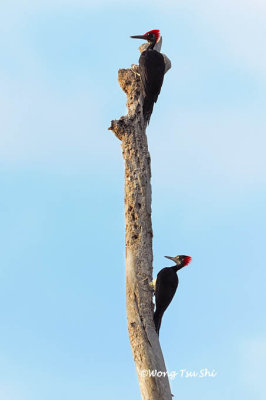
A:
x: 43, y: 126
x: 40, y: 123
x: 241, y: 24
x: 214, y: 147
x: 253, y: 367
x: 9, y: 391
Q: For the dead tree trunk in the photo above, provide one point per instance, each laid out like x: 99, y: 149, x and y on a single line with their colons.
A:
x: 147, y: 353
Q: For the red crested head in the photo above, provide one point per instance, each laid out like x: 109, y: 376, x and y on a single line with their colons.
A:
x: 154, y: 32
x: 151, y: 36
x: 181, y: 261
x: 187, y: 260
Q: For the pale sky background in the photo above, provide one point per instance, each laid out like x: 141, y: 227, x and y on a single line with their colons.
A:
x: 63, y: 327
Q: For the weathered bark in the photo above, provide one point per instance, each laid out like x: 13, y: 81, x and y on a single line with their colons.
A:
x: 139, y: 256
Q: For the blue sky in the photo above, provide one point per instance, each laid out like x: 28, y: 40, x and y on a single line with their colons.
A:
x: 63, y: 328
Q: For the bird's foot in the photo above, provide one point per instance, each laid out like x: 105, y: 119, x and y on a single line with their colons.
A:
x: 146, y: 284
x: 152, y: 285
x: 134, y: 68
x: 136, y: 73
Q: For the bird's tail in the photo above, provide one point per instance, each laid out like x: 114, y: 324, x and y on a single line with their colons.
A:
x: 157, y: 318
x: 148, y: 104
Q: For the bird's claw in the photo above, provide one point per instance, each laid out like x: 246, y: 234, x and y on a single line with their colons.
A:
x: 150, y: 285
x: 133, y: 70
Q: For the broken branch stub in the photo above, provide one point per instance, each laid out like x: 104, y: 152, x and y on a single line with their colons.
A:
x: 130, y: 129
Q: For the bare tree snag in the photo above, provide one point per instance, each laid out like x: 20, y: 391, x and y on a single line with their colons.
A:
x: 146, y: 349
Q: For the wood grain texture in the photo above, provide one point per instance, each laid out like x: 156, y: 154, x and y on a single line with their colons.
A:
x: 146, y: 349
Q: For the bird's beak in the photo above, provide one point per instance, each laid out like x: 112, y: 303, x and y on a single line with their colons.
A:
x: 139, y: 37
x: 171, y: 258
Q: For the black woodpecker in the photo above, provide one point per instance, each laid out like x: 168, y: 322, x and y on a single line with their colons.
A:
x: 165, y: 287
x: 152, y: 69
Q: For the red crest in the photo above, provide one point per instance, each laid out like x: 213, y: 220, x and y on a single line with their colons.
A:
x: 155, y: 32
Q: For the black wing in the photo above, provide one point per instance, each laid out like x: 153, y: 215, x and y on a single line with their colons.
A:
x: 166, y: 285
x: 152, y: 68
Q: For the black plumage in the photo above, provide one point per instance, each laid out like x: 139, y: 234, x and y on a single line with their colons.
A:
x: 152, y: 70
x: 151, y: 67
x: 165, y: 287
